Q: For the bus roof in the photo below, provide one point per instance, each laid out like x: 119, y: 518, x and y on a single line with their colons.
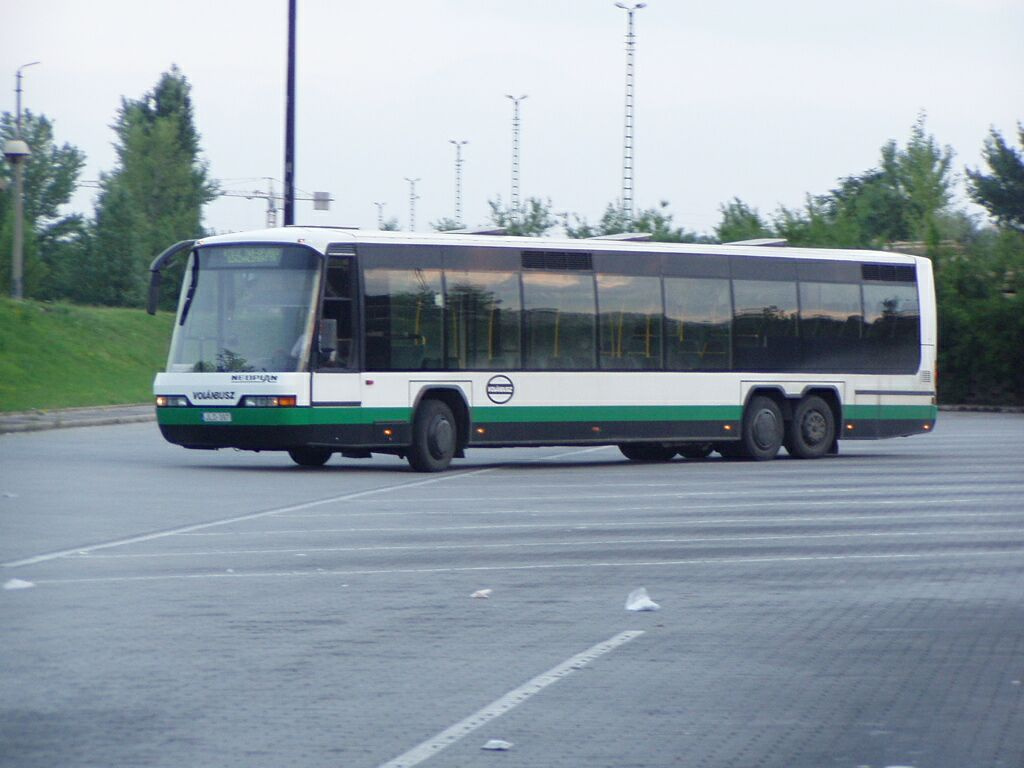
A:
x: 319, y: 238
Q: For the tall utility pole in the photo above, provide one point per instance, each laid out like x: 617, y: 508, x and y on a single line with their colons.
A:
x: 514, y: 205
x: 289, y: 123
x: 458, y: 178
x: 380, y: 215
x: 627, y: 144
x: 413, y: 197
x: 17, y: 153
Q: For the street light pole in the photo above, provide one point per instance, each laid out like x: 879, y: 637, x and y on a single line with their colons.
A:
x: 458, y: 178
x: 17, y: 153
x: 17, y: 91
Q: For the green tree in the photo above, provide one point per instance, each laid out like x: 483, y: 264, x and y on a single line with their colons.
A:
x: 389, y: 225
x: 52, y: 242
x: 613, y: 222
x: 981, y: 321
x: 906, y: 198
x: 533, y: 218
x: 445, y: 225
x: 155, y: 195
x: 655, y: 221
x: 922, y: 175
x: 1001, y: 191
x: 740, y: 222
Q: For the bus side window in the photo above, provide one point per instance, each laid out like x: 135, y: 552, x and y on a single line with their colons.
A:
x: 338, y: 306
x: 630, y: 322
x: 830, y: 326
x: 892, y: 327
x: 483, y: 320
x: 560, y: 321
x: 698, y: 315
x: 765, y: 325
x: 403, y: 319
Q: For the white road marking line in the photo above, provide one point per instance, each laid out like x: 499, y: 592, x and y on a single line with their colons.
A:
x: 509, y: 701
x: 256, y: 515
x: 973, y: 553
x: 572, y: 453
x: 589, y: 543
x: 237, y: 519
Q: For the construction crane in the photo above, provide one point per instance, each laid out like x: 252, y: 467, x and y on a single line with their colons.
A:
x: 321, y: 200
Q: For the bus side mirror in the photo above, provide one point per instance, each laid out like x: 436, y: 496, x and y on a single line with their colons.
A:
x: 155, y: 278
x: 327, y: 343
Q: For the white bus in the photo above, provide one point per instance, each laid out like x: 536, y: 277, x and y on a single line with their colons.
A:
x: 318, y: 341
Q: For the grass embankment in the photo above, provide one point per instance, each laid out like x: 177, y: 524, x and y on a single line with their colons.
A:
x: 62, y: 355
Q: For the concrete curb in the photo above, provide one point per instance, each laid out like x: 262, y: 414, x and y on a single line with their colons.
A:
x: 63, y: 418
x: 984, y: 408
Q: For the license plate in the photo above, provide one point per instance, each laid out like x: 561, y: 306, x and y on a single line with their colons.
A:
x: 217, y: 417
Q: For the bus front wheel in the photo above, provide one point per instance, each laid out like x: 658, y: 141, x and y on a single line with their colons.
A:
x: 434, y: 435
x: 310, y: 457
x: 763, y: 428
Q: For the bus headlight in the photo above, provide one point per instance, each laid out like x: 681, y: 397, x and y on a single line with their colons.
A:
x: 269, y: 401
x: 171, y: 401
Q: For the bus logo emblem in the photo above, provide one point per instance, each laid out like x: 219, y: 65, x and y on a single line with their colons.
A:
x: 500, y: 389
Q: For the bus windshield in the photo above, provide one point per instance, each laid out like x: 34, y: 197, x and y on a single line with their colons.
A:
x: 245, y: 308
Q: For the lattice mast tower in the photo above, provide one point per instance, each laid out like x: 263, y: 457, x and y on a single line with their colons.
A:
x: 458, y: 178
x: 514, y: 204
x: 627, y: 143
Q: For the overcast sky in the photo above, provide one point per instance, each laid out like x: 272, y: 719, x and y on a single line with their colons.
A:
x: 765, y: 101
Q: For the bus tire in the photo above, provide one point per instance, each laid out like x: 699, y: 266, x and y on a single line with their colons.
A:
x: 812, y: 431
x: 309, y: 456
x: 763, y: 428
x: 647, y: 452
x: 697, y: 451
x: 434, y: 434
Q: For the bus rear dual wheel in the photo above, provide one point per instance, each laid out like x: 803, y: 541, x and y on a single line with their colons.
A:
x: 809, y: 435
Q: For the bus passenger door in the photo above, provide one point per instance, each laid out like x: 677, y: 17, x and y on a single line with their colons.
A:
x: 335, y: 363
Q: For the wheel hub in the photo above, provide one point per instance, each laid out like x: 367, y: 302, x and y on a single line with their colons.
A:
x: 765, y: 429
x: 440, y: 437
x: 814, y: 427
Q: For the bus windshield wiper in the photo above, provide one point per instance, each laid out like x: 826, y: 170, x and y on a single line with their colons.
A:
x: 191, y: 288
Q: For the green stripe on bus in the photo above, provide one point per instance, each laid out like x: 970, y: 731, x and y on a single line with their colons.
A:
x: 569, y: 413
x: 511, y: 414
x: 282, y: 417
x: 903, y: 412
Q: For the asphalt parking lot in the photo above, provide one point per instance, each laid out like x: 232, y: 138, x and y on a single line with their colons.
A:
x: 195, y: 608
